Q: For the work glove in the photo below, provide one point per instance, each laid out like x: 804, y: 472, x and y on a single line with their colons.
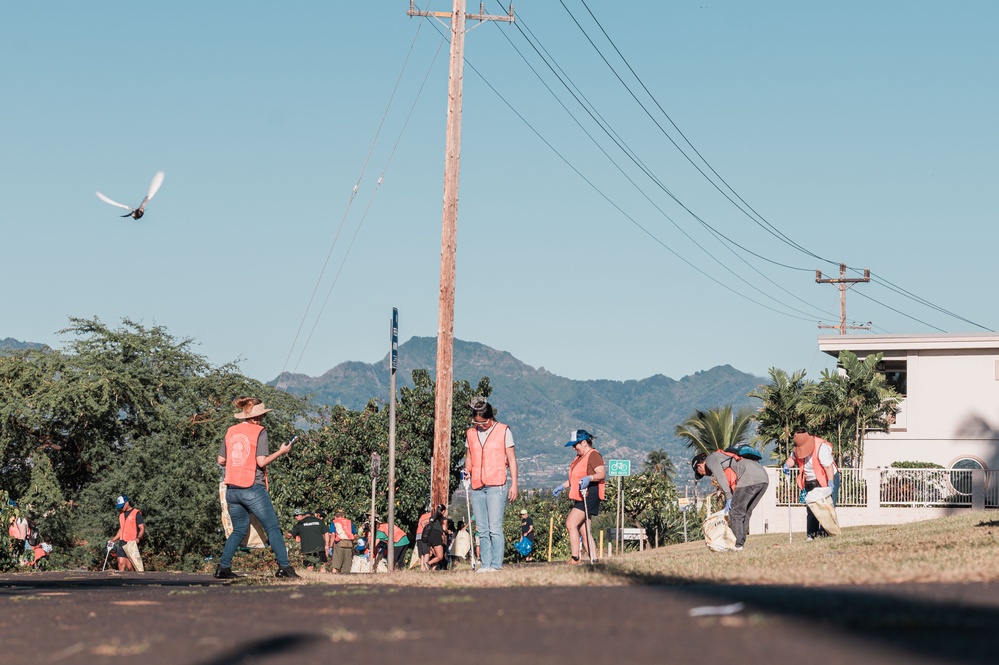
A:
x: 584, y: 482
x: 786, y: 469
x: 558, y: 490
x: 110, y: 545
x: 728, y: 506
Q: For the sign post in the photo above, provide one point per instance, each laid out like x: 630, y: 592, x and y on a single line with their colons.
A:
x: 618, y: 468
x: 391, y: 446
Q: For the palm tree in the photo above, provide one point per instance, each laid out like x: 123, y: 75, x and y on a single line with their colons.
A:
x: 869, y: 402
x: 780, y: 413
x: 657, y: 462
x: 715, y: 429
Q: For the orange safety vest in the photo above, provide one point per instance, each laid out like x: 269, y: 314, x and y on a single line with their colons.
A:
x: 347, y: 527
x: 129, y: 525
x: 17, y: 529
x: 241, y: 454
x: 489, y: 461
x: 820, y: 471
x: 398, y: 534
x: 730, y: 474
x: 422, y: 524
x: 576, y: 473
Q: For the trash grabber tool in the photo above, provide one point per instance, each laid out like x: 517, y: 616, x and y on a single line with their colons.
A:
x: 106, y: 557
x: 468, y: 508
x: 589, y: 537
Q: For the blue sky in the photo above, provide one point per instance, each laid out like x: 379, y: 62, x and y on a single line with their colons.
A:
x: 862, y: 132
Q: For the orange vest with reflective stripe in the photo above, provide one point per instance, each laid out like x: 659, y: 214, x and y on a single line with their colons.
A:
x: 488, y: 459
x: 347, y: 527
x: 129, y: 525
x: 241, y: 454
x: 577, y: 469
x: 820, y: 471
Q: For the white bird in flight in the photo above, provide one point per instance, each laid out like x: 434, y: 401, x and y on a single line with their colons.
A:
x: 136, y: 213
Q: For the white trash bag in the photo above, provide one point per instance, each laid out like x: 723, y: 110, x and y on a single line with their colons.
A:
x: 718, y: 535
x: 820, y: 502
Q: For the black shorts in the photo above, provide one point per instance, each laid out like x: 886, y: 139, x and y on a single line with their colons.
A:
x: 422, y: 548
x: 435, y: 538
x: 312, y: 556
x: 592, y: 503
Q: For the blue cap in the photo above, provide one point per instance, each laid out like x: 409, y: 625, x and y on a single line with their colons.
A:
x: 120, y: 502
x: 579, y: 436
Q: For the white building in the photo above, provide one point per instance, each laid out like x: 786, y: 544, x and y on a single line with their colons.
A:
x: 950, y: 411
x: 949, y: 416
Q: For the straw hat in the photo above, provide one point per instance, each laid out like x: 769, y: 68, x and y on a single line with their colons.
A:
x: 253, y: 412
x: 804, y: 445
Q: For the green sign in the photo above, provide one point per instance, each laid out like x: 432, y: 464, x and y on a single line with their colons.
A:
x: 618, y: 467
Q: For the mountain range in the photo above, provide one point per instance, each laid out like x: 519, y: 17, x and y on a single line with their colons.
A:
x: 628, y: 418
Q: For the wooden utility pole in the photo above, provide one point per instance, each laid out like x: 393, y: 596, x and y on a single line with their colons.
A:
x: 441, y: 468
x: 843, y: 283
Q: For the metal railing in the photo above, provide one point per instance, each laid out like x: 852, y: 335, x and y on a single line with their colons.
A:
x: 900, y: 488
x: 852, y: 488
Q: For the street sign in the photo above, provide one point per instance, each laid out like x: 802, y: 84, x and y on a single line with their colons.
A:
x: 618, y: 467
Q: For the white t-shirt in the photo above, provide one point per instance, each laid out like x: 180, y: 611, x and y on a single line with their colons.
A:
x: 825, y: 459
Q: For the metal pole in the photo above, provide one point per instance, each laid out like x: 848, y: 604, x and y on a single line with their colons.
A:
x: 391, y: 446
x: 372, y: 522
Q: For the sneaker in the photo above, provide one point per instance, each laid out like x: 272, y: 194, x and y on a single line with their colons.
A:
x: 809, y: 539
x: 486, y: 570
x: 223, y: 573
x: 287, y: 572
x: 739, y: 548
x: 575, y: 562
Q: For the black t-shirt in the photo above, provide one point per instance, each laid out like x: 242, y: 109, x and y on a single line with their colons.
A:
x: 527, y: 524
x: 311, y: 530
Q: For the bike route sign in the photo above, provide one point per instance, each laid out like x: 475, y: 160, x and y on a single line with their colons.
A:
x: 618, y: 467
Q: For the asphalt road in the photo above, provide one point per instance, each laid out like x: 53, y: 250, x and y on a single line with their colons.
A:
x: 193, y: 619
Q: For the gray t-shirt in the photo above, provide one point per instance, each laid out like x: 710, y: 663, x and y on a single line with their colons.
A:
x: 747, y: 472
x: 262, y: 451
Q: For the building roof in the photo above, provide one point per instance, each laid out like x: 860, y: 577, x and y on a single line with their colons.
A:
x: 866, y: 344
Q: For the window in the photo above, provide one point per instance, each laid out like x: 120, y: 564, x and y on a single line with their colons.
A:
x: 960, y: 478
x: 895, y: 374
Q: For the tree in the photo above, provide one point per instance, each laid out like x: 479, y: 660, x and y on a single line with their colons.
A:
x: 715, y: 429
x: 869, y: 402
x: 780, y: 413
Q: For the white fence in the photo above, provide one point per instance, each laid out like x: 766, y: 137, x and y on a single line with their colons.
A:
x: 880, y: 496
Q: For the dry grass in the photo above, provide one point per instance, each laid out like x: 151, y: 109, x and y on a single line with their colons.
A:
x: 953, y: 549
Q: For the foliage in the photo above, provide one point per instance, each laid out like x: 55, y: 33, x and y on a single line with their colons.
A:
x: 779, y: 414
x: 715, y: 429
x: 658, y: 462
x: 915, y: 465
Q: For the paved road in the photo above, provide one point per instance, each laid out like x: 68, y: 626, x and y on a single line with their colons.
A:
x: 191, y: 619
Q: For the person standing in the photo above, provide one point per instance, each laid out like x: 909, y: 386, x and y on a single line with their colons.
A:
x: 489, y: 453
x: 743, y: 482
x: 244, y: 455
x: 806, y: 451
x: 343, y: 543
x: 131, y: 529
x: 310, y: 531
x: 585, y: 470
x: 527, y: 531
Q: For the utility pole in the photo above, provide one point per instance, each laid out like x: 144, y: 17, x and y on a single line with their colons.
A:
x: 441, y: 468
x: 843, y: 283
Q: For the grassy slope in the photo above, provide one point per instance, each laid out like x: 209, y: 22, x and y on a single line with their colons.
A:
x: 953, y: 549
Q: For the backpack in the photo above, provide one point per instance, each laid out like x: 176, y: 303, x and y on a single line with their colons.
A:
x: 33, y: 536
x: 745, y: 451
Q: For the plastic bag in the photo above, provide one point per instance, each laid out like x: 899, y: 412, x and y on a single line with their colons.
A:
x: 718, y: 535
x: 820, y: 502
x: 132, y: 552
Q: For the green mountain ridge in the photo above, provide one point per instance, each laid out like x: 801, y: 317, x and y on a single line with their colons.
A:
x: 628, y: 418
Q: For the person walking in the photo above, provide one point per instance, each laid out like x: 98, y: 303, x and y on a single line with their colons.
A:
x: 131, y: 529
x: 527, y: 531
x: 489, y: 453
x: 806, y: 451
x: 244, y: 454
x: 343, y: 543
x: 435, y: 538
x: 586, y: 469
x: 743, y: 482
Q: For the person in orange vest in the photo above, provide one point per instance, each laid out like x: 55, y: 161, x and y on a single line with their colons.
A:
x: 131, y: 528
x: 244, y: 454
x: 489, y: 452
x: 422, y: 548
x: 585, y: 471
x: 806, y: 451
x: 342, y: 530
x: 743, y: 481
x: 399, y: 543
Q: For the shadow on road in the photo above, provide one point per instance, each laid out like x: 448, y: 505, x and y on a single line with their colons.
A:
x: 928, y: 620
x: 272, y: 646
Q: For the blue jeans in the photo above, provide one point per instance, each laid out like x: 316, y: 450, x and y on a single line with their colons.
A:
x: 242, y: 502
x: 488, y: 504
